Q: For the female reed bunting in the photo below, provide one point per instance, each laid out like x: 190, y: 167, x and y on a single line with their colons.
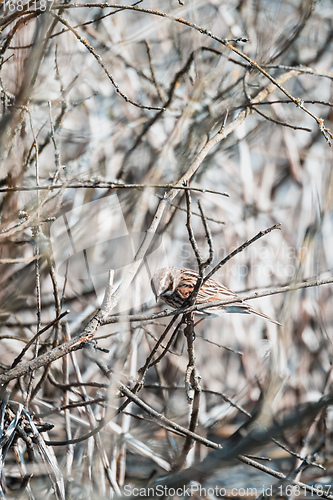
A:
x: 174, y: 285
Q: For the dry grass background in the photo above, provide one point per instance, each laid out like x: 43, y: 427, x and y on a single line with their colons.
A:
x: 65, y: 128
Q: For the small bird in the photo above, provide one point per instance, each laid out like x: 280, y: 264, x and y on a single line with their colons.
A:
x: 174, y: 285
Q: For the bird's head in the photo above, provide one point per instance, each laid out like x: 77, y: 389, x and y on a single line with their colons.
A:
x: 163, y: 283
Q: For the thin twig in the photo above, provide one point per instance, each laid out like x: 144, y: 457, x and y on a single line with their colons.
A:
x: 167, y: 347
x: 240, y: 249
x: 190, y: 232
x: 227, y: 43
x: 200, y: 307
x: 278, y: 122
x: 109, y: 185
x: 208, y: 235
x: 192, y: 382
x: 152, y: 71
x: 101, y: 63
x: 143, y: 370
x: 34, y: 338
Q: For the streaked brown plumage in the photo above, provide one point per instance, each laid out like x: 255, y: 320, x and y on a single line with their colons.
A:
x: 174, y: 285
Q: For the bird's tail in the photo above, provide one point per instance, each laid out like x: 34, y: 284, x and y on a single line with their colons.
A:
x: 264, y: 316
x: 243, y: 307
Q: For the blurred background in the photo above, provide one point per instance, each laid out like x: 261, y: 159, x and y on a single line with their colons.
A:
x: 103, y: 108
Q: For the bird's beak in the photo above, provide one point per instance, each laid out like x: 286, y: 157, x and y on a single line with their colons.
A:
x: 157, y: 298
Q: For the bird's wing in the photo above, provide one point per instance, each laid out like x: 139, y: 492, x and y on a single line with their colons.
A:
x: 212, y: 291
